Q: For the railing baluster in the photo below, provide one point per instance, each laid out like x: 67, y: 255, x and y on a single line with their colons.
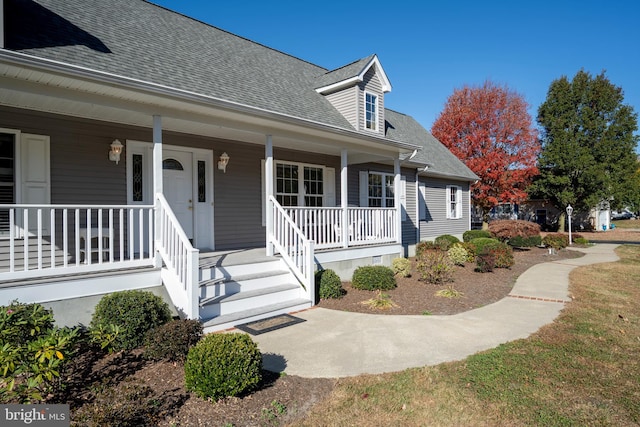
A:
x: 52, y: 236
x: 39, y: 236
x: 25, y: 232
x: 77, y: 235
x: 12, y: 240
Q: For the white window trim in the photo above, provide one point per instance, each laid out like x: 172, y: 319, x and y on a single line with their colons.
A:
x: 376, y: 116
x: 458, y: 192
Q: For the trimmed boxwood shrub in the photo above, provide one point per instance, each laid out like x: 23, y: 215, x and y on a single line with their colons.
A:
x: 469, y: 235
x: 172, y: 340
x: 134, y: 312
x: 329, y: 284
x: 482, y: 242
x: 373, y: 278
x: 556, y: 240
x: 525, y: 242
x: 446, y: 241
x: 223, y: 365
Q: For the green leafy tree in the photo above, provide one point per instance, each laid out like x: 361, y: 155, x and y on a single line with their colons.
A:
x: 588, y: 145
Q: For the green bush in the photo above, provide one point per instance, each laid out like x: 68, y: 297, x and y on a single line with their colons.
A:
x: 458, y: 254
x: 435, y: 267
x: 330, y: 285
x: 471, y: 250
x: 401, y: 266
x: 425, y: 245
x: 223, y: 365
x: 581, y: 241
x: 556, y: 240
x: 446, y: 241
x: 373, y: 278
x: 32, y: 353
x: 134, y: 312
x: 469, y: 235
x: 482, y: 242
x: 172, y: 340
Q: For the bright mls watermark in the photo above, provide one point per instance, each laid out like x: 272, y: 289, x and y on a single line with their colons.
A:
x: 34, y: 415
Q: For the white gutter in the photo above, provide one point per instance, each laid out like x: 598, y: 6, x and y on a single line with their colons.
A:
x: 42, y: 64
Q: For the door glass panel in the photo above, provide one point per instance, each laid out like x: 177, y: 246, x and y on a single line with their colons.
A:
x: 202, y: 182
x: 137, y: 177
x: 172, y: 164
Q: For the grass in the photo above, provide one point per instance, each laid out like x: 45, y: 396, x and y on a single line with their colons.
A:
x: 380, y: 302
x: 449, y: 292
x: 583, y: 369
x: 626, y: 223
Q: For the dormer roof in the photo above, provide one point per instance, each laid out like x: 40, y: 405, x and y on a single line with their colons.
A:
x: 352, y: 74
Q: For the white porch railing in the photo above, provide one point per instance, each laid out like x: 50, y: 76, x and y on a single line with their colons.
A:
x: 367, y: 226
x: 50, y: 240
x: 181, y: 260
x: 294, y: 247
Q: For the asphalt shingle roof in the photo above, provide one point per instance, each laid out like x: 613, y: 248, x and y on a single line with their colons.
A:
x: 140, y: 40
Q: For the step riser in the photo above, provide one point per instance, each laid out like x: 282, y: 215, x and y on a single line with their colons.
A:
x: 230, y: 307
x: 237, y: 270
x: 232, y: 286
x: 228, y: 325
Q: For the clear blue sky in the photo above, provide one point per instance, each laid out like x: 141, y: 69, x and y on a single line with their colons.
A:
x: 429, y: 48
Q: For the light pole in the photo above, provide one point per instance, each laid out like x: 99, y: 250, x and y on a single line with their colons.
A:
x: 569, y: 212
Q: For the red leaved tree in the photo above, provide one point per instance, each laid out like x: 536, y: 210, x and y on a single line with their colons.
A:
x: 490, y: 130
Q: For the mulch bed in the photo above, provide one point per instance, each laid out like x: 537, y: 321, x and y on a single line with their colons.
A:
x: 100, y: 383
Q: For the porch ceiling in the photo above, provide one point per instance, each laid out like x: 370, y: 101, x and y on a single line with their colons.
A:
x: 32, y: 86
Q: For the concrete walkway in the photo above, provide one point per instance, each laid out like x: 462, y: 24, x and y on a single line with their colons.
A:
x: 334, y: 344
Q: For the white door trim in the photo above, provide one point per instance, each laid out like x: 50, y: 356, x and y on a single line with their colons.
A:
x: 203, y: 230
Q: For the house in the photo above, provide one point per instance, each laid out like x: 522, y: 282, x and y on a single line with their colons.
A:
x: 141, y: 148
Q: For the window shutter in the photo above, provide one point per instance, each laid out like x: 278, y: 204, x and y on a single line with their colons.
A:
x: 329, y: 186
x: 448, y: 201
x: 35, y: 176
x: 263, y: 193
x: 403, y: 196
x: 458, y: 202
x: 364, y: 189
x: 422, y: 201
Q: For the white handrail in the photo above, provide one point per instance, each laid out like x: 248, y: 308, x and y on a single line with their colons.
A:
x: 79, y: 238
x: 181, y: 259
x: 295, y: 248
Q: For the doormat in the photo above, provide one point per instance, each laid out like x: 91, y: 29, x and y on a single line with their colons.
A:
x: 270, y: 324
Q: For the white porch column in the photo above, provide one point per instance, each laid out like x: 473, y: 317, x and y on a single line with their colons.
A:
x: 268, y: 191
x: 157, y: 177
x: 396, y: 198
x: 344, y: 198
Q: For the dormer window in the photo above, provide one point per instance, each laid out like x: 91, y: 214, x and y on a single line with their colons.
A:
x: 371, y: 111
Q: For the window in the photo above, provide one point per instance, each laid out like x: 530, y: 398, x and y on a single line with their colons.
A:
x: 380, y: 190
x: 7, y: 184
x: 299, y: 189
x: 454, y: 202
x: 371, y: 111
x: 137, y: 177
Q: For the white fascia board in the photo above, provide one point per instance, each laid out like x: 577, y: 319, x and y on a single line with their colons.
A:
x: 339, y: 85
x: 384, y: 80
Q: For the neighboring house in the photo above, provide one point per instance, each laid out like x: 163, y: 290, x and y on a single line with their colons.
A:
x: 140, y: 147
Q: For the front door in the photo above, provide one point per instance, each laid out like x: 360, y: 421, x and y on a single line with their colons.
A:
x: 177, y: 176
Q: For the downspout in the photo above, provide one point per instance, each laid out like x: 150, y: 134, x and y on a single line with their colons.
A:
x: 417, y: 180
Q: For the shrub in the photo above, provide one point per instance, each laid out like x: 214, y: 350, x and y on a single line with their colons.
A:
x: 481, y: 243
x: 581, y: 241
x: 446, y: 241
x: 485, y: 262
x: 401, y: 266
x: 505, y: 229
x: 373, y: 278
x: 32, y: 352
x: 435, y: 267
x: 556, y: 240
x: 329, y: 284
x: 469, y: 235
x: 525, y: 242
x: 134, y: 312
x: 458, y: 254
x: 223, y: 365
x: 425, y: 245
x: 503, y: 255
x: 471, y: 250
x: 172, y: 340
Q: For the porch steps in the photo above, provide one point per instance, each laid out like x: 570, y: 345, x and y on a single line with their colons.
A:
x: 237, y: 288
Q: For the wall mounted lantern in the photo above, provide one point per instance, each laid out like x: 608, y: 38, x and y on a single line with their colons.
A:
x: 115, y: 151
x: 223, y: 162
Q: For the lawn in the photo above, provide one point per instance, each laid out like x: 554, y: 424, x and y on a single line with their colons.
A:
x: 581, y: 370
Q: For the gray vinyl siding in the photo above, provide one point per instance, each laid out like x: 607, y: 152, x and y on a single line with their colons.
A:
x: 81, y: 172
x: 346, y: 102
x: 371, y: 83
x: 437, y: 222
